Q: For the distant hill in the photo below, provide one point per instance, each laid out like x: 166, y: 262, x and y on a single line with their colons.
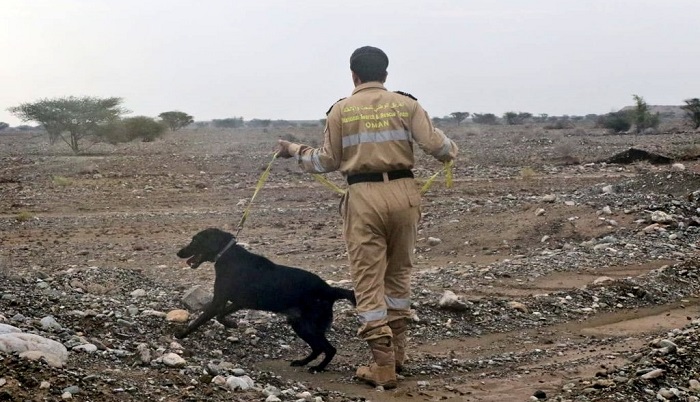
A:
x: 665, y: 111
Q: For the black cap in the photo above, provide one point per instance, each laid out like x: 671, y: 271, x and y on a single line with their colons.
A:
x: 368, y: 58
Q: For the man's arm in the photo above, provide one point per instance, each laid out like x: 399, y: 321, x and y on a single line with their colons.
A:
x: 318, y: 160
x: 430, y: 139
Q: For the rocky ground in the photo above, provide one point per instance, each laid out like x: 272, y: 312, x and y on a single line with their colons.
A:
x: 543, y: 274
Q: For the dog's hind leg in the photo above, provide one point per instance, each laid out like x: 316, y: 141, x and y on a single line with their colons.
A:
x: 312, y: 328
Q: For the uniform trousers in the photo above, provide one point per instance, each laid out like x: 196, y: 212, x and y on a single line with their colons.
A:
x: 380, y: 221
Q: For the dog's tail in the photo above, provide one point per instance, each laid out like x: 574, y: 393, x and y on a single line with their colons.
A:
x: 335, y: 293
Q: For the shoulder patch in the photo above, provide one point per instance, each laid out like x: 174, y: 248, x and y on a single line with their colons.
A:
x: 329, y: 109
x: 406, y: 94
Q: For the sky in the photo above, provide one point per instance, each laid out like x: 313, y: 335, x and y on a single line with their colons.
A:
x: 274, y: 59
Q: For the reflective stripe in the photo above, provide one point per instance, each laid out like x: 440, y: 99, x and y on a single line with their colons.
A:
x: 379, y: 136
x: 446, y: 147
x: 373, y: 315
x: 315, y: 160
x: 395, y: 303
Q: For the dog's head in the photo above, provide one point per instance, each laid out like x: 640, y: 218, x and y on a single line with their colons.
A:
x: 205, y: 246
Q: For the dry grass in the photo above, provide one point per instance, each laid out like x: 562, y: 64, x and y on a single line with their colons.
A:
x: 527, y: 173
x: 24, y: 216
x: 61, y: 181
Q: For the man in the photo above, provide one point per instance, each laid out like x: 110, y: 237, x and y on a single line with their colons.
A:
x: 369, y: 137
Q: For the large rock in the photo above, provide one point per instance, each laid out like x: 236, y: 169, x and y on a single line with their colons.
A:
x: 33, y: 347
x: 450, y: 301
x: 196, y: 297
x: 8, y: 329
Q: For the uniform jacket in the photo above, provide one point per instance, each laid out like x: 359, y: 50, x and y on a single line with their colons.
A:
x: 374, y: 131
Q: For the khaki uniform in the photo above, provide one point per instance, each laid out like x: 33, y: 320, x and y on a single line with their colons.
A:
x: 373, y: 131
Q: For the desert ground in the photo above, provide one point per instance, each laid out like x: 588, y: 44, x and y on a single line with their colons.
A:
x: 571, y: 279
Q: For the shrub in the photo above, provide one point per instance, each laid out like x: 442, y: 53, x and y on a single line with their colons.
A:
x: 615, y: 121
x: 24, y: 216
x: 176, y: 120
x: 231, y: 122
x: 126, y: 130
x: 144, y: 128
x: 643, y: 118
x: 692, y: 111
x: 485, y: 118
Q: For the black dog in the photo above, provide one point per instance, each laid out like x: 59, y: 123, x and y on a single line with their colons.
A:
x: 250, y: 281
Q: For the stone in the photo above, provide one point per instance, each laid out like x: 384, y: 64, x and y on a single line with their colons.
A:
x: 173, y: 360
x: 549, y: 198
x: 434, y: 241
x: 656, y: 373
x: 539, y: 212
x: 243, y: 383
x: 138, y: 293
x: 661, y: 217
x: 177, y: 316
x: 8, y: 329
x: 49, y: 323
x: 602, y: 279
x: 196, y: 297
x: 55, y: 353
x: 678, y: 167
x: 518, y: 306
x: 87, y: 348
x: 450, y: 301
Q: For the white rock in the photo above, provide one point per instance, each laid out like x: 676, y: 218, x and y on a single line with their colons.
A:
x: 55, y: 353
x: 539, y: 212
x: 243, y: 383
x: 451, y: 301
x: 569, y: 203
x: 661, y: 217
x: 602, y: 279
x: 434, y: 241
x: 678, y: 167
x: 8, y: 329
x: 219, y: 380
x: 173, y: 360
x: 138, y: 293
x: 549, y: 198
x: 272, y: 398
x: 606, y: 210
x: 87, y: 348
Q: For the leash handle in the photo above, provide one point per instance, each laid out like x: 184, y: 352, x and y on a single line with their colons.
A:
x: 447, y: 168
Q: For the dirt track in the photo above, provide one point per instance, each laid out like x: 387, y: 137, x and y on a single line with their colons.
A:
x: 127, y: 209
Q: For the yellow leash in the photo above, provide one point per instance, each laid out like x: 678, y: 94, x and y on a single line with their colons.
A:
x: 446, y: 168
x: 260, y: 184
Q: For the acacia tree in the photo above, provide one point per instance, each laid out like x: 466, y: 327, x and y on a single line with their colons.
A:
x: 459, y: 116
x: 3, y: 125
x: 176, y: 120
x: 71, y: 119
x: 513, y: 118
x: 642, y: 116
x: 692, y: 111
x: 485, y: 118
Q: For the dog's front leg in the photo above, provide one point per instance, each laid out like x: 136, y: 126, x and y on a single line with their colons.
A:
x: 211, y: 310
x: 223, y: 318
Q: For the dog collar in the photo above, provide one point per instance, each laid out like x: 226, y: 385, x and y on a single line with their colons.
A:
x: 228, y: 246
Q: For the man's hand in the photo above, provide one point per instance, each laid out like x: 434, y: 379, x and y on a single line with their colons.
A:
x: 283, y: 149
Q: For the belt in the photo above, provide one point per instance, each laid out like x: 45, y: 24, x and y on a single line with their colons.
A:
x: 392, y: 175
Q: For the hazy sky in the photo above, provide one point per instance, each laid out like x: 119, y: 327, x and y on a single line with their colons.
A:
x: 290, y: 59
